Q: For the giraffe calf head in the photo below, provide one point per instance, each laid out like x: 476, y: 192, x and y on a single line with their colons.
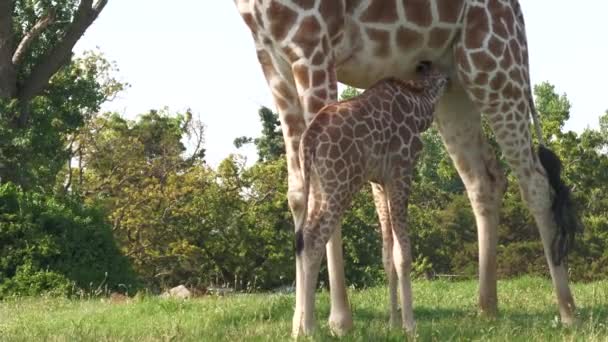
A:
x: 433, y: 79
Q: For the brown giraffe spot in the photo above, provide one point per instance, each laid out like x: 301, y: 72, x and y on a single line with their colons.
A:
x: 305, y: 4
x: 336, y: 120
x: 321, y: 93
x: 360, y: 130
x: 332, y: 13
x: 483, y: 62
x: 381, y: 12
x: 351, y: 5
x: 496, y: 47
x: 295, y: 125
x: 478, y: 93
x: 337, y: 39
x: 322, y: 119
x: 498, y: 81
x: 405, y: 133
x: 521, y: 35
x: 292, y: 56
x: 318, y: 77
x: 340, y: 164
x: 395, y: 144
x: 449, y: 10
x: 281, y: 104
x: 507, y: 60
x: 283, y: 89
x: 323, y: 148
x: 511, y: 92
x: 515, y: 51
x: 418, y: 12
x: 439, y: 37
x: 314, y: 105
x: 347, y: 130
x: 334, y: 152
x: 300, y: 73
x: 398, y: 115
x: 318, y: 58
x: 307, y: 36
x: 325, y: 45
x: 266, y: 63
x: 516, y: 77
x: 382, y: 40
x: 477, y: 28
x: 248, y: 18
x: 462, y: 59
x: 481, y: 78
x: 345, y: 142
x: 324, y: 138
x: 281, y: 19
x: 408, y: 39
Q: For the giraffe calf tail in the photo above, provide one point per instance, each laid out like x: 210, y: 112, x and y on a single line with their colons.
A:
x: 306, y: 155
x: 564, y: 212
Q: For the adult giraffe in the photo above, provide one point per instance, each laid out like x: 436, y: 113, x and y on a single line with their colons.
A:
x: 306, y: 46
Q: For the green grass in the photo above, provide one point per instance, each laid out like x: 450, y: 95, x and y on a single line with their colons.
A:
x: 445, y: 311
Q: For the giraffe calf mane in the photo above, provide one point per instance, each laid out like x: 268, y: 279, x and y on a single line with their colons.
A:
x: 411, y: 86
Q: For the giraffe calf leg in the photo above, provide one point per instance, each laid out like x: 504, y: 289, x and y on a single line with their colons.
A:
x: 387, y: 252
x: 402, y: 252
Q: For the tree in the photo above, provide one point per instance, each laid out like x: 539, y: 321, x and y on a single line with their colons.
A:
x: 270, y: 144
x: 36, y: 41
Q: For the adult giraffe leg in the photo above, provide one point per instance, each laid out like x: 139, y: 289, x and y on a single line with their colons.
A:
x: 492, y: 62
x: 279, y: 76
x: 317, y: 86
x: 459, y: 122
x: 386, y: 227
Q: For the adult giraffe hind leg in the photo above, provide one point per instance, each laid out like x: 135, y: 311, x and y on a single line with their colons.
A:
x: 459, y: 123
x: 492, y: 62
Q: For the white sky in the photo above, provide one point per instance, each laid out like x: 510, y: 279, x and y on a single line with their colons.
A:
x: 200, y: 55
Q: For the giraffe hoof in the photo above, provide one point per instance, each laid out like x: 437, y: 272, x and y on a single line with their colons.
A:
x: 570, y: 321
x: 395, y: 324
x: 340, y: 325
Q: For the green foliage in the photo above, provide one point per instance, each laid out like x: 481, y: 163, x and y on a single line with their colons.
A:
x: 270, y: 145
x: 47, y: 243
x: 32, y: 156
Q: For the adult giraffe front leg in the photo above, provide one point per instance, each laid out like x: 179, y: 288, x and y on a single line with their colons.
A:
x: 300, y: 87
x: 317, y: 86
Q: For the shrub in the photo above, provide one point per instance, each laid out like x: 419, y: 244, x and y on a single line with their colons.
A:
x: 46, y: 243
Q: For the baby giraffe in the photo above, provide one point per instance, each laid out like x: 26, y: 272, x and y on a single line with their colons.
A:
x: 375, y: 137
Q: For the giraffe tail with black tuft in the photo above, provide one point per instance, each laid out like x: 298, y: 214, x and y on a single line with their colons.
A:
x: 564, y: 212
x: 306, y: 154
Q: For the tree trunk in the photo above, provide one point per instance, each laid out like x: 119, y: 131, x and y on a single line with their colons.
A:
x: 11, y: 54
x: 8, y: 74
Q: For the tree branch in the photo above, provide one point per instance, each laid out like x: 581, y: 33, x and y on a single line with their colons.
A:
x: 8, y: 74
x: 29, y: 37
x: 85, y: 15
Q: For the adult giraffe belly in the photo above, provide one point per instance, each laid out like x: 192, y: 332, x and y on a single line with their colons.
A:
x: 389, y: 38
x: 364, y: 68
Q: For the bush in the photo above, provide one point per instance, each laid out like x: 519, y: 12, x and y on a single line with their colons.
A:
x: 46, y: 243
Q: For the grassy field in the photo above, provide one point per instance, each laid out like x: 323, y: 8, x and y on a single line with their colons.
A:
x: 444, y: 310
